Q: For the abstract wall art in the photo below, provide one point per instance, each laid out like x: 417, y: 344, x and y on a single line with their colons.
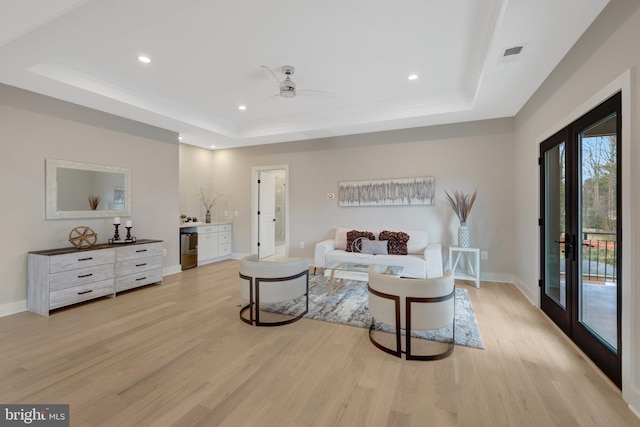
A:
x: 387, y: 192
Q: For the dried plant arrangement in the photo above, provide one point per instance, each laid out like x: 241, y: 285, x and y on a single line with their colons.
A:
x: 210, y: 200
x: 94, y: 201
x: 461, y: 203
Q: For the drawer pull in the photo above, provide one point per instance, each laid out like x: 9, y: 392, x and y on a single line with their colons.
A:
x: 141, y: 250
x: 85, y: 292
x: 140, y: 265
x: 85, y: 275
x: 142, y: 278
x: 85, y: 259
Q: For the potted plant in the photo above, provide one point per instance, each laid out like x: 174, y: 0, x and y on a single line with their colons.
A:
x: 461, y: 204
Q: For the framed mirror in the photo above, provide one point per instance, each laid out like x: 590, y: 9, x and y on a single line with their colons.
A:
x: 86, y: 190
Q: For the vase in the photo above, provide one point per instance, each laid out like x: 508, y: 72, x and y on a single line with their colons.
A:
x: 207, y: 217
x: 463, y: 235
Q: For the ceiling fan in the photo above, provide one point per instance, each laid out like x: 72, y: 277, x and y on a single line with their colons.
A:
x: 288, y: 87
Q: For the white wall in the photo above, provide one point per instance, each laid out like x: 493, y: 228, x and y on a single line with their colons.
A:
x: 461, y: 156
x: 35, y: 127
x: 592, y: 71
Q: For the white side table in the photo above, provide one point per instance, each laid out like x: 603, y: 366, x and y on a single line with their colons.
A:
x: 472, y: 271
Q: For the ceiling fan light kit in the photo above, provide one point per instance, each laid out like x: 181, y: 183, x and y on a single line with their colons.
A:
x: 287, y: 86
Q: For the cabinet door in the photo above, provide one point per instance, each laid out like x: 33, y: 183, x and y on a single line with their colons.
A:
x: 203, y: 247
x: 213, y: 246
x: 207, y: 246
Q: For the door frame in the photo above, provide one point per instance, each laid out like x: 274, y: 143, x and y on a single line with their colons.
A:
x: 608, y: 359
x: 622, y: 84
x: 255, y: 174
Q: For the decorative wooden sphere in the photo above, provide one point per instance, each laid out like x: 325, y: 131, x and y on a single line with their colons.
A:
x: 83, y: 237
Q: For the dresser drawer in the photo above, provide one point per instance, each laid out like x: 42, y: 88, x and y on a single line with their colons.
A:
x: 224, y: 227
x: 81, y: 276
x: 124, y: 268
x: 76, y: 260
x: 78, y: 294
x: 208, y: 229
x: 224, y: 250
x: 139, y: 251
x: 139, y: 279
x: 224, y: 237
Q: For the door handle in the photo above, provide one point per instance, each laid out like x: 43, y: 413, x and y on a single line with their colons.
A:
x: 568, y: 247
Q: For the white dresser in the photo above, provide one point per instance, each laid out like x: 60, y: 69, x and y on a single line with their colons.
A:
x: 62, y: 277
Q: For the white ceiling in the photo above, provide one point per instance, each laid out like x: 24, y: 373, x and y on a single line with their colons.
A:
x: 206, y: 57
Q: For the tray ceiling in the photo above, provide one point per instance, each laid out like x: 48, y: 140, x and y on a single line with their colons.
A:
x: 206, y: 59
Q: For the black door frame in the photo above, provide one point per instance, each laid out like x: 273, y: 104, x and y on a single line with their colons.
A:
x: 606, y: 358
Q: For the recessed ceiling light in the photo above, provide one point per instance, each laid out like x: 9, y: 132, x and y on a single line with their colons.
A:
x: 413, y: 77
x: 180, y: 138
x: 144, y: 59
x: 242, y: 107
x: 213, y: 146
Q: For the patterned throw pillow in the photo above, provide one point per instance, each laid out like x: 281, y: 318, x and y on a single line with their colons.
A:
x: 397, y: 241
x: 354, y: 234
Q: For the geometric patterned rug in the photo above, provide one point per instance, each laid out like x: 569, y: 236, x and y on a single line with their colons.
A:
x: 348, y: 306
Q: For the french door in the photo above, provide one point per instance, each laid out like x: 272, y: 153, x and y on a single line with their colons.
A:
x: 580, y: 233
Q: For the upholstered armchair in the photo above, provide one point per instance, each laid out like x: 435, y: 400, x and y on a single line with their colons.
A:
x: 412, y: 305
x: 265, y: 282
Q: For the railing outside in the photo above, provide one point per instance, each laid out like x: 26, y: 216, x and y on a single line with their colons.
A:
x: 600, y: 257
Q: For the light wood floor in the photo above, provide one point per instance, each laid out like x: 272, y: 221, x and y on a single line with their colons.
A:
x: 177, y: 354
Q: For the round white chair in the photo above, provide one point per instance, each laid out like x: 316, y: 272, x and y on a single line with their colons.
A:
x: 412, y: 305
x: 266, y: 282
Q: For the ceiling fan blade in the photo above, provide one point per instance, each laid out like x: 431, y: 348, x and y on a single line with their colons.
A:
x: 270, y: 74
x: 277, y: 95
x: 316, y: 94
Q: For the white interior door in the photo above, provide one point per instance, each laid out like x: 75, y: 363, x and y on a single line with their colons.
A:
x: 267, y: 216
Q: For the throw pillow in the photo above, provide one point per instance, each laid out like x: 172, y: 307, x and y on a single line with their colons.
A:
x: 354, y: 234
x: 397, y: 241
x: 374, y: 247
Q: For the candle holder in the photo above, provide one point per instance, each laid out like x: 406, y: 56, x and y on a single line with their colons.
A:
x: 116, y: 235
x: 129, y: 238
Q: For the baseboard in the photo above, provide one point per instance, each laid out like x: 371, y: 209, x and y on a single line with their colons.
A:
x: 496, y: 277
x: 172, y: 269
x: 10, y: 308
x: 533, y: 297
x: 631, y: 395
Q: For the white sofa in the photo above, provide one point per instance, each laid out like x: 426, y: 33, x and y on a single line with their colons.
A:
x: 424, y: 260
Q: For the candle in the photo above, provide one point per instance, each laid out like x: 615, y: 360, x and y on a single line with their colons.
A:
x: 116, y: 220
x: 128, y: 223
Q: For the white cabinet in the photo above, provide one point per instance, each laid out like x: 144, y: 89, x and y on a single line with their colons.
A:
x: 62, y: 277
x: 207, y: 243
x: 214, y: 243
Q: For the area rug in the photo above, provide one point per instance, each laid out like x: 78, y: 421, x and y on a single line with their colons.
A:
x: 348, y: 306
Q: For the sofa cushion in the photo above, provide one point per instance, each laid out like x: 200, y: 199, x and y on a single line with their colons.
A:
x: 374, y: 247
x: 341, y: 238
x: 356, y: 234
x: 344, y: 256
x: 397, y: 241
x: 418, y: 241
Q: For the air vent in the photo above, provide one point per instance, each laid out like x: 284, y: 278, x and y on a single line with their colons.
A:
x: 512, y: 54
x: 512, y: 51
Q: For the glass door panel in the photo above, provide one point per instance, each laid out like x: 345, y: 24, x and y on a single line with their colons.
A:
x: 555, y: 273
x: 598, y: 279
